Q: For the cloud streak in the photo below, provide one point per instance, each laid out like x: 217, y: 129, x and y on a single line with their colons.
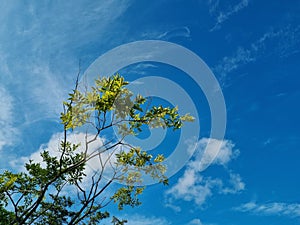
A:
x: 183, y: 32
x: 40, y: 46
x: 224, y: 15
x: 143, y: 220
x: 8, y: 133
x: 195, y: 222
x: 281, y: 42
x: 40, y: 52
x: 274, y: 208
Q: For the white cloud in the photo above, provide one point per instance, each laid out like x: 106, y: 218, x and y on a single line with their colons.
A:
x: 41, y: 50
x: 236, y: 185
x: 183, y: 31
x: 8, y: 133
x: 213, y: 151
x: 143, y: 220
x: 224, y: 15
x: 213, y: 6
x: 282, y: 42
x: 53, y: 147
x: 140, y: 68
x: 193, y: 186
x: 4, y: 69
x: 93, y: 166
x: 39, y: 60
x: 175, y: 208
x: 241, y: 57
x: 48, y: 92
x: 195, y: 222
x: 273, y: 208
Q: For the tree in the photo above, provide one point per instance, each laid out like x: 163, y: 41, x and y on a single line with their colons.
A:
x: 54, y: 190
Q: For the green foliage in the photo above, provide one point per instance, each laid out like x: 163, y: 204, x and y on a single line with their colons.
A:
x: 128, y: 196
x: 53, y: 191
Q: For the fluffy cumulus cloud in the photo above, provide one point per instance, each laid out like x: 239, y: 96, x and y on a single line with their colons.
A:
x: 99, y: 162
x: 212, y: 151
x: 195, y: 187
x: 192, y: 186
x: 273, y: 208
x: 53, y: 147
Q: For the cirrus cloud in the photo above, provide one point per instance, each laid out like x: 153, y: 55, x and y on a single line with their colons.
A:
x: 272, y: 208
x: 8, y: 132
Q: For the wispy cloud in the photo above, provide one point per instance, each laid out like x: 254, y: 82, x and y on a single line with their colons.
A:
x: 8, y: 133
x: 241, y: 57
x: 168, y: 35
x: 137, y: 219
x: 140, y: 69
x: 222, y: 16
x: 39, y: 54
x: 195, y: 222
x: 4, y: 69
x: 236, y: 184
x: 282, y: 42
x: 213, y: 6
x: 48, y: 92
x: 194, y: 187
x: 41, y: 50
x: 273, y: 208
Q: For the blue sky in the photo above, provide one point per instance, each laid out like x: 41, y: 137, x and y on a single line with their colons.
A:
x: 252, y: 48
